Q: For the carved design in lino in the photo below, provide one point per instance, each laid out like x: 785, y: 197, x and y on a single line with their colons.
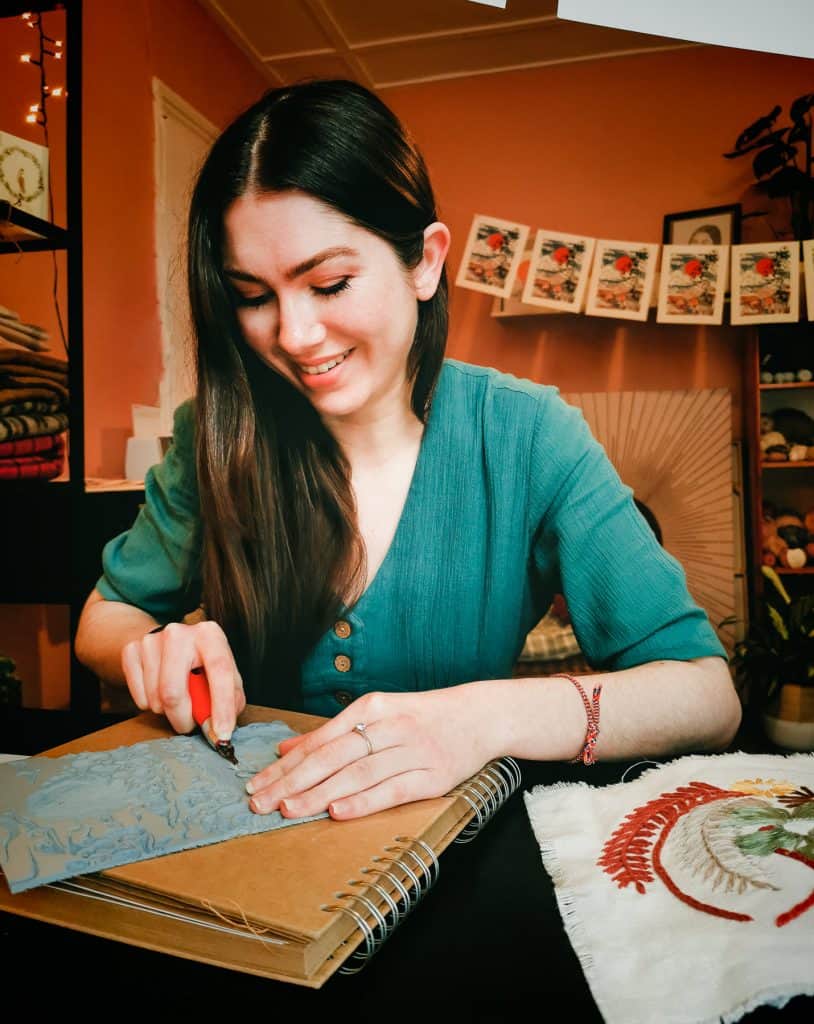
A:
x: 719, y: 843
x: 85, y: 812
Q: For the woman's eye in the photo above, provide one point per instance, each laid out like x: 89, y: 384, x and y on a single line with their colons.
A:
x: 253, y: 301
x: 333, y: 289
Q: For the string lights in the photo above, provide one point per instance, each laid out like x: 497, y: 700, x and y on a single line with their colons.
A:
x: 48, y: 47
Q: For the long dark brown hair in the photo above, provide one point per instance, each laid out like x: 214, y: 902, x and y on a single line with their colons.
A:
x: 281, y: 548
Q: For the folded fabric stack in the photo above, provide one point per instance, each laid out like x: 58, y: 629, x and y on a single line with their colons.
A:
x: 33, y: 414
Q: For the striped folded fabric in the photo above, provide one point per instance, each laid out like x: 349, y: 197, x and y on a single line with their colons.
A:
x: 23, y: 425
x: 32, y: 458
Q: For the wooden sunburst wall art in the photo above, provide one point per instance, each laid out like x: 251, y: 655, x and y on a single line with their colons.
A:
x: 674, y: 449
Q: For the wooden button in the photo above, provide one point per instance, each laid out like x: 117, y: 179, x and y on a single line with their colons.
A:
x: 343, y: 697
x: 342, y: 663
x: 342, y: 629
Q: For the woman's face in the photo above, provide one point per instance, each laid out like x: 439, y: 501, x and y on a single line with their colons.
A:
x: 324, y: 302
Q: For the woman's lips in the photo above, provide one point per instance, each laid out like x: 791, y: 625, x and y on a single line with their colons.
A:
x: 323, y: 374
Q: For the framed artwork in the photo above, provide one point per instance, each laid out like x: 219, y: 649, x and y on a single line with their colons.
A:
x: 808, y: 273
x: 24, y: 174
x: 693, y: 283
x: 766, y: 283
x: 492, y: 255
x: 622, y: 279
x: 558, y: 270
x: 715, y: 225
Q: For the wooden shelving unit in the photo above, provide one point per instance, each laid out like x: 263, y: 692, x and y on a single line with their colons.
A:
x: 23, y: 232
x: 786, y: 483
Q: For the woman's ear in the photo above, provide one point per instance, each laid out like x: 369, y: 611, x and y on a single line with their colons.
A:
x: 428, y: 271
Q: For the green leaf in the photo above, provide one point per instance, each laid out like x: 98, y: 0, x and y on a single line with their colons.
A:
x: 805, y: 810
x: 775, y: 580
x: 761, y: 844
x: 754, y: 814
x: 777, y: 621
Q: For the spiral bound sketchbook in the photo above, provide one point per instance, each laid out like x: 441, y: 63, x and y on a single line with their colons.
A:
x: 296, y: 904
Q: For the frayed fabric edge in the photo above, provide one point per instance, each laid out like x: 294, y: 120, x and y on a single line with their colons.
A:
x: 566, y: 898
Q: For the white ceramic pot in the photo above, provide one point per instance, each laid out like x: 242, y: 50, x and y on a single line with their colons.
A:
x: 789, y: 720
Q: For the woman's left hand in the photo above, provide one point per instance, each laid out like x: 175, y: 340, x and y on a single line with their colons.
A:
x: 423, y: 744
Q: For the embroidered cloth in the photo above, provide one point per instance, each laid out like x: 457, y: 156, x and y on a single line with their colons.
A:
x: 69, y: 815
x: 687, y: 894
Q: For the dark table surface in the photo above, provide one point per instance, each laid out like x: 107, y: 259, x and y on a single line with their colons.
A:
x: 485, y: 944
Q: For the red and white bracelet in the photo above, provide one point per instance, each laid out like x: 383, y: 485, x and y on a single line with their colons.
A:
x: 592, y: 711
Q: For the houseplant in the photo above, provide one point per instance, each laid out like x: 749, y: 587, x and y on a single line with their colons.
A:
x: 782, y: 161
x: 774, y: 665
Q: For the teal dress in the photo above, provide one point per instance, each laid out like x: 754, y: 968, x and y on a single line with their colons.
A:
x: 512, y: 500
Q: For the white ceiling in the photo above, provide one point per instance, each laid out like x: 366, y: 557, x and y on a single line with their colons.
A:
x: 384, y: 43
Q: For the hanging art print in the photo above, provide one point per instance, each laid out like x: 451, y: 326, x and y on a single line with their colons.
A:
x: 808, y: 264
x: 558, y: 271
x: 765, y: 283
x: 693, y: 283
x: 622, y: 279
x: 24, y: 174
x: 492, y: 255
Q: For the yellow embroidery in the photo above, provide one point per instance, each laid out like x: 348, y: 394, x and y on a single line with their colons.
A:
x: 762, y: 787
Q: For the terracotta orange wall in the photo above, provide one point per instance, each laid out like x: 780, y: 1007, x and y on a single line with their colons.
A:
x: 603, y: 148
x: 27, y: 280
x: 125, y: 45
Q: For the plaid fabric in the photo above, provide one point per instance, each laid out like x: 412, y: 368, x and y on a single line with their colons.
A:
x: 550, y: 640
x: 31, y: 467
x: 45, y: 445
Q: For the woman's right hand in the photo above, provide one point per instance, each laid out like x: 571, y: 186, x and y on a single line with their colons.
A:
x: 157, y: 666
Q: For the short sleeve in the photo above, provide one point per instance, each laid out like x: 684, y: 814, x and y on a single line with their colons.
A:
x: 155, y: 565
x: 627, y: 596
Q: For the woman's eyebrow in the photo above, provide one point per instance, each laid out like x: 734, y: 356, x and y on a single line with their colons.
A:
x: 299, y: 269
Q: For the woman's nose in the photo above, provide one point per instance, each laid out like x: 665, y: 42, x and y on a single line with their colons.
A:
x: 298, y: 329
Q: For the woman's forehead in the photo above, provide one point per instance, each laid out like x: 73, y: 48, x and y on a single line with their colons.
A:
x: 287, y: 228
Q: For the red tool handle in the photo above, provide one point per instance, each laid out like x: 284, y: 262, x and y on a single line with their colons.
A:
x: 199, y: 695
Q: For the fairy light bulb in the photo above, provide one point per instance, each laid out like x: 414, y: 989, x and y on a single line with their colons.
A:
x: 34, y: 108
x: 57, y: 91
x: 25, y: 58
x: 31, y: 118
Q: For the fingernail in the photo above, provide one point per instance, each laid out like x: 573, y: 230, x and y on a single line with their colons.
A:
x: 250, y: 787
x: 287, y: 809
x: 224, y: 735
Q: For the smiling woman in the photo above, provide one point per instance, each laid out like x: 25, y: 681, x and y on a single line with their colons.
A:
x: 372, y: 529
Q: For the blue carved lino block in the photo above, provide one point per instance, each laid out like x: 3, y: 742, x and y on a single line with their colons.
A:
x: 70, y: 815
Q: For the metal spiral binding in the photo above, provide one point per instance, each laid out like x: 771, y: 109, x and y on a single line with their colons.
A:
x: 421, y: 880
x: 487, y: 792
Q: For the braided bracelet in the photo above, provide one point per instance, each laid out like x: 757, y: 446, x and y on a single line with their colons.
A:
x: 592, y: 712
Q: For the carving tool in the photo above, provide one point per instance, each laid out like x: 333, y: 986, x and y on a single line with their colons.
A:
x: 202, y: 713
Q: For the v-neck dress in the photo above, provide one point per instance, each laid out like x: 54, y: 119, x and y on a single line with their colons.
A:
x: 511, y: 501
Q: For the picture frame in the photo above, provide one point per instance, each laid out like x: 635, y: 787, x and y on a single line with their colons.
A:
x: 24, y: 174
x: 622, y: 279
x: 712, y: 225
x: 765, y: 283
x: 693, y: 284
x: 808, y: 274
x: 493, y: 251
x: 559, y: 270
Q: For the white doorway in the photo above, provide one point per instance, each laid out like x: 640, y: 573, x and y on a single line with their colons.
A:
x: 183, y: 137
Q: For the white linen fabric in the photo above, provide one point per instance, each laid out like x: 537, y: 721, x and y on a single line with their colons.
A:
x: 688, y: 893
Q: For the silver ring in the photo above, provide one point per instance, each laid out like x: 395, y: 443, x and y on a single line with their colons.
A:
x: 361, y: 728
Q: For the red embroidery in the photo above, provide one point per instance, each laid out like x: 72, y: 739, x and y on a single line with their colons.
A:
x: 625, y: 854
x: 632, y: 855
x: 803, y: 905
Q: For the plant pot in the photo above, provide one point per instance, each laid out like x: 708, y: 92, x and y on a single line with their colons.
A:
x: 789, y: 719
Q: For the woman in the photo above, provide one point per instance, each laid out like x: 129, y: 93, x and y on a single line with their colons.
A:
x: 367, y: 524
